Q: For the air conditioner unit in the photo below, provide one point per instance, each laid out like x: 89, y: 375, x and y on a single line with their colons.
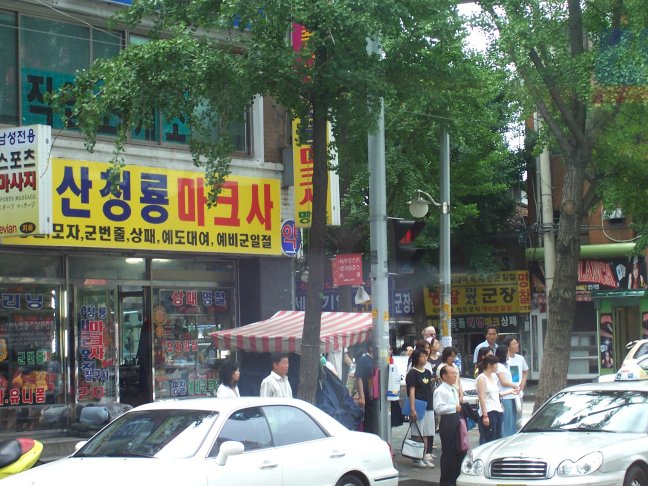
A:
x: 614, y: 216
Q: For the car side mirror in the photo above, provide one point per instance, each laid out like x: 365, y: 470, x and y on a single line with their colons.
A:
x: 228, y: 448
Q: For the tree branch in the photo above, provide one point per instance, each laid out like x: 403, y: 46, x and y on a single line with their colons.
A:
x: 574, y: 124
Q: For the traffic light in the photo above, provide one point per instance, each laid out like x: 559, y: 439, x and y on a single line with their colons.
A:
x: 404, y: 255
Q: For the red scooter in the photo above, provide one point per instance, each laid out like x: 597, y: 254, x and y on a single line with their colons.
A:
x: 18, y: 455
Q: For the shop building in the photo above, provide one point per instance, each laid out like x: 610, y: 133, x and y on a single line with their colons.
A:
x: 117, y: 303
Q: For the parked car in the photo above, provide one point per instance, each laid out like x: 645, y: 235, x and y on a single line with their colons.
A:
x: 210, y: 441
x: 636, y: 350
x: 594, y: 433
x: 470, y: 392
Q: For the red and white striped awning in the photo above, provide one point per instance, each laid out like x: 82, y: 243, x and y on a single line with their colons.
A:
x: 283, y: 332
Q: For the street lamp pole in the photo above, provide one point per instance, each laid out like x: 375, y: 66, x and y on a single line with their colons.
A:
x: 445, y: 314
x: 418, y: 208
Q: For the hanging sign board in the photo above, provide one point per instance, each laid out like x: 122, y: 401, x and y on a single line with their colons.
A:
x: 25, y: 181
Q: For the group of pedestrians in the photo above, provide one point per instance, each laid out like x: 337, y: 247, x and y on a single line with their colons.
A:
x: 434, y: 377
x: 276, y: 384
x: 501, y: 375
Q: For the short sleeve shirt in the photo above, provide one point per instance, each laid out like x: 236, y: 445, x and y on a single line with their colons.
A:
x: 517, y: 365
x: 422, y: 383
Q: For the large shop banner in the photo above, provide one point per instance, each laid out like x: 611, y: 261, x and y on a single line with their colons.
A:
x: 472, y: 294
x: 159, y: 209
x: 303, y: 161
x: 25, y: 181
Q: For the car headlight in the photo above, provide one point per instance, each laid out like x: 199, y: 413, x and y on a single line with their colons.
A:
x: 585, y: 465
x: 472, y: 467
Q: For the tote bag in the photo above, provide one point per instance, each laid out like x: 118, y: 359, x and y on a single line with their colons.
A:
x: 411, y: 448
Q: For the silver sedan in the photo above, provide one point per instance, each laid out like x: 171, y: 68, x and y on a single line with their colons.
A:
x: 595, y: 434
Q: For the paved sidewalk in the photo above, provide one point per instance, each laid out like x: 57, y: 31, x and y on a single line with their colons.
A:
x: 410, y: 475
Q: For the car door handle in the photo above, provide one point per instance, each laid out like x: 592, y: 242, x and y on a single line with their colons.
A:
x: 336, y: 453
x: 268, y: 465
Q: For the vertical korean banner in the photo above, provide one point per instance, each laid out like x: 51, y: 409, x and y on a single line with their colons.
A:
x: 25, y: 181
x: 303, y: 161
x: 96, y: 378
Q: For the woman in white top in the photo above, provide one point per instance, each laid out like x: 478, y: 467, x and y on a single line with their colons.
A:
x: 490, y: 407
x: 229, y: 373
x: 508, y: 391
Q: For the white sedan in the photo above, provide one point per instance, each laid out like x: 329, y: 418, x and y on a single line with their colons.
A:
x: 594, y: 434
x: 222, y: 442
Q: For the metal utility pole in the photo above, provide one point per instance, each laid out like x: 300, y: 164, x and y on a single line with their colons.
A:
x: 378, y: 254
x: 444, y: 245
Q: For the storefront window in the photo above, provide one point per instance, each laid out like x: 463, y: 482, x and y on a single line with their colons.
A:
x: 185, y: 360
x: 8, y: 70
x: 33, y: 265
x: 114, y: 268
x: 30, y: 355
x: 221, y: 271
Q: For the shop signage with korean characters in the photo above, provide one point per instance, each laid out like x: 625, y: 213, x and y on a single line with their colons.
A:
x: 303, y: 160
x: 159, y: 209
x: 25, y: 181
x: 347, y: 269
x: 291, y: 239
x: 471, y: 294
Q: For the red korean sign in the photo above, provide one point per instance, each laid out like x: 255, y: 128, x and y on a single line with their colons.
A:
x: 347, y: 269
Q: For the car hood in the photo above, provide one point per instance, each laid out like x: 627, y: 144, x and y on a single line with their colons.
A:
x: 103, y: 471
x: 552, y: 447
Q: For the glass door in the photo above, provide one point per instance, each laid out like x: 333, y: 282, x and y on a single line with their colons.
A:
x: 135, y: 371
x: 97, y: 368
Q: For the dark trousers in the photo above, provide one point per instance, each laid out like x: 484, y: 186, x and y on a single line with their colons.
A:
x: 494, y: 431
x: 370, y: 421
x: 450, y: 456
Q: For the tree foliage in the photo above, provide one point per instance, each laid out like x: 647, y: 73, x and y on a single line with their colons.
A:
x: 206, y: 59
x: 582, y: 66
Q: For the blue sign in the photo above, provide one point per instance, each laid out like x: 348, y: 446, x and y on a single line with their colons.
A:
x: 290, y: 238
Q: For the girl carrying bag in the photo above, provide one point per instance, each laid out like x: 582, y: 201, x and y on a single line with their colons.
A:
x: 411, y: 448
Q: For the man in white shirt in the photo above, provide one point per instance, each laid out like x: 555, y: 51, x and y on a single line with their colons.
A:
x: 276, y: 384
x: 447, y: 406
x: 491, y: 341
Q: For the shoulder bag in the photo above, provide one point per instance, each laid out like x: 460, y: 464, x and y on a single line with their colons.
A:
x: 464, y: 443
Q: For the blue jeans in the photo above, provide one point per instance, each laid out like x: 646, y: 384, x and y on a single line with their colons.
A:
x: 509, y: 424
x: 494, y: 430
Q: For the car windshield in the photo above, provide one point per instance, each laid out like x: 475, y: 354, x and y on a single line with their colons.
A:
x: 592, y: 411
x: 152, y: 433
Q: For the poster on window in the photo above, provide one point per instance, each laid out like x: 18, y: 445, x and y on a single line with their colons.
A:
x: 606, y: 335
x: 30, y: 372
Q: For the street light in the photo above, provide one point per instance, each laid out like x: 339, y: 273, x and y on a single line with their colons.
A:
x: 419, y: 207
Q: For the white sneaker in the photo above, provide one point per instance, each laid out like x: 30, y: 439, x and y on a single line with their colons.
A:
x: 419, y: 463
x: 430, y: 457
x: 428, y: 463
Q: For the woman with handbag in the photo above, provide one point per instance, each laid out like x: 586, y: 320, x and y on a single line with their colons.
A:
x: 418, y: 382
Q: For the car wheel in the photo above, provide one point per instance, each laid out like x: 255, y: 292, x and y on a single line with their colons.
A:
x: 350, y: 480
x: 636, y: 476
